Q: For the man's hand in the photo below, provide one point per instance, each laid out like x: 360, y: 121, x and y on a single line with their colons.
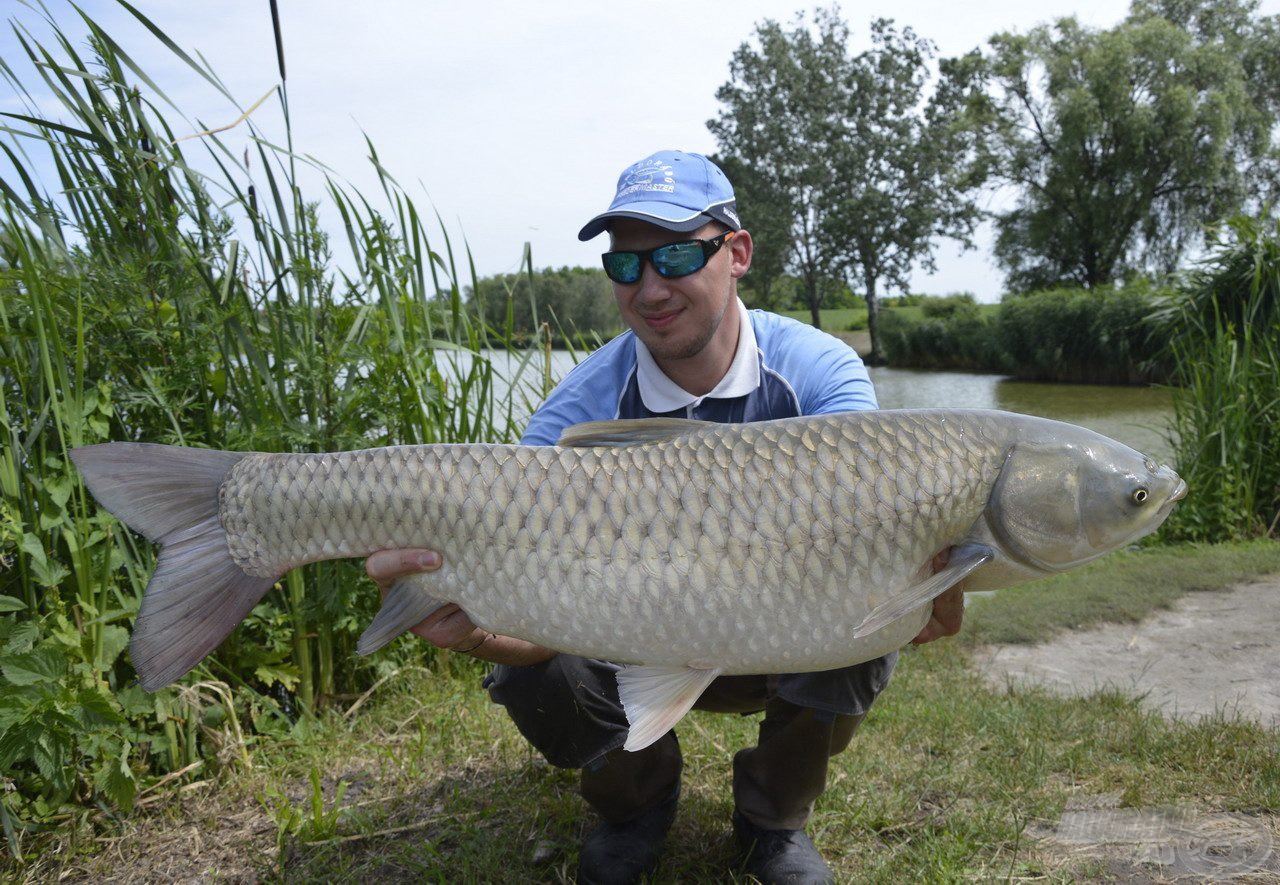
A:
x: 449, y: 627
x: 948, y: 609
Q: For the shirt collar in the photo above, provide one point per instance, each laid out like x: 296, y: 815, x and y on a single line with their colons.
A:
x: 660, y: 394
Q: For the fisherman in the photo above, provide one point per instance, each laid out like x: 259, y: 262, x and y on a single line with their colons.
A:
x: 694, y: 351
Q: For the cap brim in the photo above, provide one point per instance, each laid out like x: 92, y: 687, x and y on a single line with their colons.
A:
x: 654, y: 213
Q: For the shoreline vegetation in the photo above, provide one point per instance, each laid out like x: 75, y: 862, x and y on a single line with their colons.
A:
x: 184, y: 291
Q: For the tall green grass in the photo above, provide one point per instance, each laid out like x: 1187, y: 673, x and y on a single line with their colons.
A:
x: 149, y: 293
x: 1225, y: 340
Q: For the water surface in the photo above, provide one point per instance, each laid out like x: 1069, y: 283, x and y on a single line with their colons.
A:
x: 1136, y: 416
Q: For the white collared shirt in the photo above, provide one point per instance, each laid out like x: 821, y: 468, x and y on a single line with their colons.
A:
x: 661, y: 395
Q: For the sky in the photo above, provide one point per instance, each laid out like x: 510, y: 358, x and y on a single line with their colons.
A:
x: 511, y: 119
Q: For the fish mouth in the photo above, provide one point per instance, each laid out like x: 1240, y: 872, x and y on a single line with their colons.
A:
x: 1179, y: 492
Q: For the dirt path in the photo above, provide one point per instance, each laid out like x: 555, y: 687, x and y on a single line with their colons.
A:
x: 1212, y: 652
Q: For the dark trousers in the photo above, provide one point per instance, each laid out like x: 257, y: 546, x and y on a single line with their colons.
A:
x: 568, y: 709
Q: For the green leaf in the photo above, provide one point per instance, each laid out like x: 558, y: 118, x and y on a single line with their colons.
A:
x: 134, y: 701
x: 50, y: 756
x: 10, y: 604
x: 286, y: 674
x: 22, y: 638
x: 42, y: 665
x: 14, y: 707
x: 94, y: 709
x: 114, y: 641
x: 114, y: 779
x: 18, y: 743
x: 48, y: 573
x: 58, y: 489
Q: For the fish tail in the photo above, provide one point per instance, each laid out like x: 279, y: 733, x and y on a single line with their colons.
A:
x: 198, y: 593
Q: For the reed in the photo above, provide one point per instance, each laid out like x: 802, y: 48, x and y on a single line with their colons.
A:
x: 185, y: 290
x: 1224, y: 335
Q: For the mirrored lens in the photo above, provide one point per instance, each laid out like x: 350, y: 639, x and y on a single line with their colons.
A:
x: 622, y: 267
x: 679, y: 259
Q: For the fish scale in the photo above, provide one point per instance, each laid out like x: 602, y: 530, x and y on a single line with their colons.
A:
x: 715, y: 524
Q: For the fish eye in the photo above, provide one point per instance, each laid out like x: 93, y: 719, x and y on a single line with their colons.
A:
x: 1140, y: 495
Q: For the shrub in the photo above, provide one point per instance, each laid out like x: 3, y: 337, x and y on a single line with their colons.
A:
x: 1082, y: 336
x: 965, y: 340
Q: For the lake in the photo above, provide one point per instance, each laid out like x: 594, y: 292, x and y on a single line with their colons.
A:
x: 1136, y: 416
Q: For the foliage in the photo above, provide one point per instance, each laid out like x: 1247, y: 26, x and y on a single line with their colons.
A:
x: 1224, y: 336
x: 764, y: 211
x: 1081, y: 336
x: 847, y: 148
x: 777, y: 122
x: 576, y: 302
x: 951, y: 334
x: 903, y: 179
x: 143, y: 299
x: 957, y: 304
x: 1070, y: 335
x: 1122, y: 143
x: 786, y: 295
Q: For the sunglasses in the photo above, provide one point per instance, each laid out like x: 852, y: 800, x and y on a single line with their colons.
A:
x: 672, y: 260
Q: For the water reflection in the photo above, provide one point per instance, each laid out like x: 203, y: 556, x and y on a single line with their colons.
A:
x: 1137, y: 416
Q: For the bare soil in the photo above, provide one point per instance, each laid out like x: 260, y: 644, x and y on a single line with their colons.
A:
x: 1212, y: 653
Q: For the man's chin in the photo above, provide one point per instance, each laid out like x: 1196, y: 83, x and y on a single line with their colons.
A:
x: 674, y: 349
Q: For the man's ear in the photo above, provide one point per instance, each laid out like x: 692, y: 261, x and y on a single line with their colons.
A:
x: 740, y: 249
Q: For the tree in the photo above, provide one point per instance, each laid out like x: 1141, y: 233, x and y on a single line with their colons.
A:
x: 779, y: 109
x: 867, y: 171
x: 903, y: 169
x: 765, y: 211
x: 1122, y: 143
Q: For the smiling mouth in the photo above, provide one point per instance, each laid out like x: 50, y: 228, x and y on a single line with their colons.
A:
x: 661, y: 320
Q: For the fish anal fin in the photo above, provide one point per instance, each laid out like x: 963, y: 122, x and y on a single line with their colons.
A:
x: 630, y: 432
x: 656, y: 698
x: 964, y: 559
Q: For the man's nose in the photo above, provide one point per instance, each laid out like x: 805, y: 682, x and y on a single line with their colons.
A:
x: 652, y: 285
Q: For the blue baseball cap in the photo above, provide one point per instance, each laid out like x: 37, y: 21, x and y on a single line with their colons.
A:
x: 672, y: 189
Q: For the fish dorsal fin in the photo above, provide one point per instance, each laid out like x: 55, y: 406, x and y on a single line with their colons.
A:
x: 656, y: 698
x: 628, y: 432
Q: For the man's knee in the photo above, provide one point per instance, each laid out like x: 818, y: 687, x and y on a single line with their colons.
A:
x: 567, y: 707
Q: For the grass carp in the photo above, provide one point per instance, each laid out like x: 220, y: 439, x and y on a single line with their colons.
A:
x: 681, y: 548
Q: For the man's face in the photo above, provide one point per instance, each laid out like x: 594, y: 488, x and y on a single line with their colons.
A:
x: 677, y: 318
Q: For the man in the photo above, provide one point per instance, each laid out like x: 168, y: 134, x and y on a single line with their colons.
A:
x: 693, y: 351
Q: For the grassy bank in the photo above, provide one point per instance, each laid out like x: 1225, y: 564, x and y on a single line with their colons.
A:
x: 947, y: 780
x: 1122, y: 588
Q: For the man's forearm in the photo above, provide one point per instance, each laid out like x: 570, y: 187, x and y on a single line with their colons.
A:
x: 496, y: 649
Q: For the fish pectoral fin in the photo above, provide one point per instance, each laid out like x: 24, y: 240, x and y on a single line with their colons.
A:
x: 406, y: 603
x: 964, y: 559
x: 629, y: 432
x: 656, y: 698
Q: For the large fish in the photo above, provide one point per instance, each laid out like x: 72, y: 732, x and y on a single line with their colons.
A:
x: 682, y: 548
